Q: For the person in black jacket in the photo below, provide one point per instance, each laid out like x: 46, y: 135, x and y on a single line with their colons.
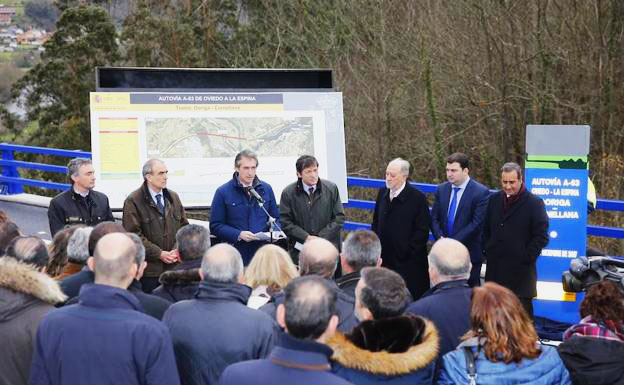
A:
x: 386, y: 347
x: 516, y: 230
x: 359, y: 250
x: 402, y: 221
x: 216, y: 328
x: 71, y: 285
x: 182, y: 281
x: 151, y: 304
x: 80, y: 204
x: 310, y: 207
x: 593, y: 349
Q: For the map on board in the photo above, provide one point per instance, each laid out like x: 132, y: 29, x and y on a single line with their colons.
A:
x: 213, y: 137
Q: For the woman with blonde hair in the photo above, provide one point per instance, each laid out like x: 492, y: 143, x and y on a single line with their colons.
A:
x: 269, y: 271
x: 501, y: 346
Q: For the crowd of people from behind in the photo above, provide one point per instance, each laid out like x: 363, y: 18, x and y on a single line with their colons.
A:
x: 152, y: 300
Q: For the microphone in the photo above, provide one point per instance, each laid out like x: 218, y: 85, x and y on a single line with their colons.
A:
x: 255, y: 194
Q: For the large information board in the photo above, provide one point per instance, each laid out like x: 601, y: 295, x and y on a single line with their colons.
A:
x: 197, y: 134
x: 556, y: 171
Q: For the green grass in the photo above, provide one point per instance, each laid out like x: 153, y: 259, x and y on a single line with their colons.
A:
x: 6, y: 56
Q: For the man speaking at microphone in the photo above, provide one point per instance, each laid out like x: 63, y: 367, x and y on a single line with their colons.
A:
x: 236, y: 215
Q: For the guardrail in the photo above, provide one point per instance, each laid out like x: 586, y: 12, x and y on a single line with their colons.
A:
x: 10, y: 178
x: 13, y: 184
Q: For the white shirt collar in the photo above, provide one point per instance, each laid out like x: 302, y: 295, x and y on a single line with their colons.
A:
x: 153, y: 194
x: 463, y: 185
x: 84, y: 195
x: 307, y: 188
x: 243, y: 184
x: 398, y: 191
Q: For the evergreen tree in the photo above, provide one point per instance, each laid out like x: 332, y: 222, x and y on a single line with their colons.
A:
x: 56, y: 91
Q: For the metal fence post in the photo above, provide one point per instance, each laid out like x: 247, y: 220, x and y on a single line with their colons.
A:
x: 11, y: 171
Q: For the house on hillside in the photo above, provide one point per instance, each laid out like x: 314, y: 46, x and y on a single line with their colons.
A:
x: 33, y: 36
x: 6, y: 15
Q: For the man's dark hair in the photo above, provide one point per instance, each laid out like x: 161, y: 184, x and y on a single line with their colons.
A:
x: 309, y: 304
x: 101, y: 230
x: 29, y: 250
x: 245, y: 154
x: 304, y: 162
x: 193, y: 241
x: 384, y: 293
x: 362, y: 248
x: 8, y: 231
x: 511, y: 166
x: 458, y: 157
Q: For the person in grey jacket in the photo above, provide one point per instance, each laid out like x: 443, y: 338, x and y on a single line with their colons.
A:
x: 310, y: 207
x: 26, y: 296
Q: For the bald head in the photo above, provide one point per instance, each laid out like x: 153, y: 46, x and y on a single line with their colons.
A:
x: 222, y: 263
x: 309, y: 304
x: 448, y: 260
x: 318, y: 257
x: 114, y: 260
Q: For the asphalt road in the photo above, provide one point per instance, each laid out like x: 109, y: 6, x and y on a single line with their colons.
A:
x: 32, y: 220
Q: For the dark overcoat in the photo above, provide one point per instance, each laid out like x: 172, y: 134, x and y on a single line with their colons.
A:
x: 403, y: 229
x: 513, y: 241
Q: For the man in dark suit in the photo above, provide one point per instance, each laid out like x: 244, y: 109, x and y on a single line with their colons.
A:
x: 516, y: 230
x: 459, y: 211
x: 402, y: 221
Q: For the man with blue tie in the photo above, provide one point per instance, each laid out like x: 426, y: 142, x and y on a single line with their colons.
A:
x: 459, y: 211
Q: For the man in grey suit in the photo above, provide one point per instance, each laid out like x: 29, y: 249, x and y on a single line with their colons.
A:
x: 459, y: 211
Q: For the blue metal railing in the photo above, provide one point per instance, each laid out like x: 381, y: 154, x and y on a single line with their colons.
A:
x: 14, y: 184
x: 599, y: 231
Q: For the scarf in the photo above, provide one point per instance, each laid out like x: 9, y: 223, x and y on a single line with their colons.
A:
x: 509, y: 201
x: 588, y: 327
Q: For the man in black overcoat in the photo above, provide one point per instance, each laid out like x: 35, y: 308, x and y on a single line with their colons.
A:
x: 515, y: 231
x: 402, y: 221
